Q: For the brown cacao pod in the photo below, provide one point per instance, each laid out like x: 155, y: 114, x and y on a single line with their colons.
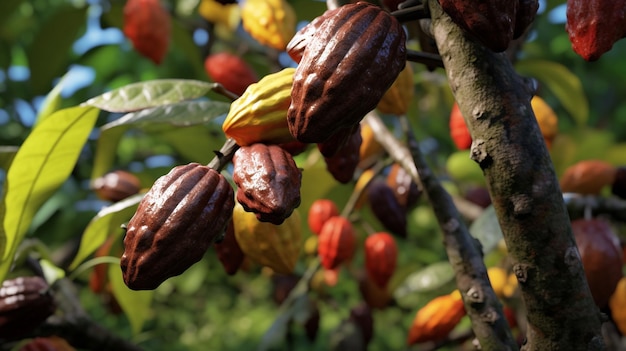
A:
x: 228, y: 251
x: 362, y: 316
x: 320, y: 211
x: 492, y: 22
x: 299, y: 42
x: 352, y: 59
x: 337, y: 242
x: 283, y: 284
x: 344, y: 162
x: 336, y: 141
x: 595, y: 25
x: 373, y: 295
x: 385, y: 206
x: 587, y: 177
x: 526, y: 12
x: 381, y: 257
x: 601, y: 255
x: 404, y: 188
x: 175, y: 223
x: 268, y: 181
x: 437, y: 318
x: 117, y: 185
x: 25, y: 303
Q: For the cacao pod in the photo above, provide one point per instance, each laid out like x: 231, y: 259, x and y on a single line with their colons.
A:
x: 594, y: 26
x: 437, y: 318
x: 274, y: 246
x: 25, y: 303
x: 116, y: 186
x: 270, y: 22
x: 283, y: 284
x: 147, y: 25
x: 337, y: 141
x: 386, y: 208
x: 398, y: 97
x: 478, y: 195
x: 222, y: 12
x: 260, y: 114
x: 344, y: 162
x: 381, y: 257
x: 373, y: 295
x: 617, y: 303
x: 362, y: 316
x: 587, y: 177
x: 498, y: 278
x: 99, y: 277
x: 526, y: 12
x: 175, y: 223
x: 492, y: 22
x: 601, y: 255
x: 370, y: 150
x: 321, y: 211
x: 404, y: 188
x: 348, y: 65
x: 337, y: 242
x: 228, y: 251
x: 618, y: 188
x: 297, y: 44
x: 268, y: 181
x: 294, y: 147
x: 458, y: 129
x: 49, y: 343
x: 230, y: 71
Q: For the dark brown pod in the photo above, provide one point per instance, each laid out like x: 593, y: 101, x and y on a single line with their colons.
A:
x: 117, y: 185
x: 345, y: 160
x: 294, y: 147
x: 362, y: 316
x: 526, y: 12
x: 385, y: 205
x: 618, y: 188
x: 353, y: 58
x: 337, y: 141
x: 175, y: 223
x: 283, y: 284
x: 492, y: 22
x: 228, y: 251
x: 297, y: 44
x: 312, y: 324
x: 25, y: 303
x: 268, y: 181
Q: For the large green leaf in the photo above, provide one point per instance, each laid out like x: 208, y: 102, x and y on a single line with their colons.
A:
x: 157, y: 119
x: 48, y: 54
x: 42, y: 164
x: 149, y: 94
x: 564, y: 84
x: 107, y: 221
x: 52, y: 101
x: 135, y: 304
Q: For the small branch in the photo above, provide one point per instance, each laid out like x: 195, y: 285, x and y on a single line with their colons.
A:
x: 426, y: 58
x: 224, y: 156
x: 411, y: 13
x: 220, y: 89
x: 610, y: 206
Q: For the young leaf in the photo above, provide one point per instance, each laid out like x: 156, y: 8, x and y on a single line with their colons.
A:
x: 139, y: 96
x: 42, y: 164
x: 107, y: 221
x: 135, y: 304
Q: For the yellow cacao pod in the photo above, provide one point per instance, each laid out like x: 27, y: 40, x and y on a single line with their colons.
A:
x: 617, y: 303
x: 397, y: 99
x: 546, y: 118
x: 260, y: 114
x: 218, y: 13
x: 270, y: 22
x: 273, y: 246
x: 437, y: 318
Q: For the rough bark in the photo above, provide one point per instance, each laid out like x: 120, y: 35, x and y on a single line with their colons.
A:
x: 524, y: 189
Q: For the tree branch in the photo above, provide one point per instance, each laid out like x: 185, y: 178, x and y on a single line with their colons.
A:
x: 524, y: 190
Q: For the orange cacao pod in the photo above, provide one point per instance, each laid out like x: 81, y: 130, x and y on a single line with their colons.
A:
x: 49, y: 343
x: 175, y: 223
x: 353, y: 58
x: 230, y: 71
x: 320, y: 211
x: 343, y: 163
x: 337, y: 242
x: 147, y: 25
x: 228, y: 251
x: 617, y: 303
x: 370, y: 149
x: 25, y: 303
x: 268, y: 181
x: 458, y: 129
x: 385, y: 206
x: 117, y: 185
x: 397, y: 98
x: 404, y: 188
x: 587, y: 177
x: 437, y: 318
x: 381, y: 256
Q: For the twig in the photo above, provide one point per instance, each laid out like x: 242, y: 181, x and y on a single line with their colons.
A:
x: 426, y: 58
x: 224, y: 155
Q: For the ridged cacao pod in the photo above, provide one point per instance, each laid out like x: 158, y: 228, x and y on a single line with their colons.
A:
x: 274, y: 246
x: 436, y: 319
x: 587, y: 177
x: 25, y: 303
x: 337, y: 242
x: 294, y: 147
x: 321, y: 211
x: 492, y: 22
x: 618, y: 188
x: 49, y: 343
x: 385, y: 206
x: 594, y: 26
x: 353, y: 58
x: 268, y: 181
x: 344, y: 162
x: 404, y: 188
x: 525, y: 15
x: 337, y: 141
x: 398, y: 97
x: 228, y: 251
x: 147, y: 24
x: 260, y: 114
x: 299, y: 42
x: 231, y: 71
x: 175, y: 223
x: 117, y: 185
x: 601, y: 255
x: 362, y: 316
x: 270, y: 22
x: 381, y: 257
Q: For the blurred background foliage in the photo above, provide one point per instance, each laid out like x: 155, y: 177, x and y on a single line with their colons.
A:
x: 78, y: 47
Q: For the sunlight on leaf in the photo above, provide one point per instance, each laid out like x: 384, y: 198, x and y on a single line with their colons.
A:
x: 107, y: 221
x: 138, y: 96
x: 42, y: 164
x: 135, y: 304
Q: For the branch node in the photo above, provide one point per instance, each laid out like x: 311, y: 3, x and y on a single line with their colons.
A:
x: 475, y: 295
x: 489, y: 316
x: 572, y: 260
x: 522, y: 205
x: 521, y: 272
x: 480, y: 155
x: 451, y: 225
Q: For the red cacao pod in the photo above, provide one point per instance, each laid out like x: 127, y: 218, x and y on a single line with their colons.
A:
x: 294, y: 147
x: 337, y: 242
x: 228, y: 251
x: 230, y: 71
x: 458, y: 129
x: 321, y: 211
x: 381, y: 257
x: 25, y: 303
x: 351, y: 61
x: 385, y: 206
x: 147, y: 25
x: 345, y: 160
x: 116, y: 186
x: 175, y: 223
x: 49, y: 343
x: 268, y: 181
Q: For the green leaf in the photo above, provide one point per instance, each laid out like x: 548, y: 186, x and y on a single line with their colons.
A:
x: 157, y: 119
x: 564, y: 84
x: 135, y: 304
x: 435, y: 278
x: 197, y: 143
x: 107, y: 221
x: 52, y: 101
x: 486, y: 229
x: 51, y: 272
x: 7, y: 7
x: 7, y: 153
x: 42, y: 164
x: 153, y: 93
